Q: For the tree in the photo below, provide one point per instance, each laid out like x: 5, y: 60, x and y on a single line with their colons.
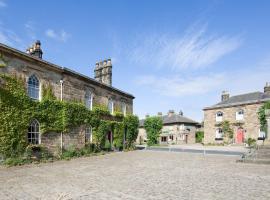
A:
x: 227, y: 130
x: 153, y: 126
x: 261, y: 116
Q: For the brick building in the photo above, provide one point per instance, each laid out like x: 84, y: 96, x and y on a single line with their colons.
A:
x: 241, y: 111
x: 177, y: 129
x: 67, y: 85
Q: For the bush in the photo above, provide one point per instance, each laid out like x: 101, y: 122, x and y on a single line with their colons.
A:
x: 199, y: 136
x: 153, y: 126
x: 251, y: 142
x: 14, y: 161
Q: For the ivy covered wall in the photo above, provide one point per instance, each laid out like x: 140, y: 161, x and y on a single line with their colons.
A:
x: 17, y: 111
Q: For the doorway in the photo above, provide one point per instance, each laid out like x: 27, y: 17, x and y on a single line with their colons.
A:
x: 240, y: 136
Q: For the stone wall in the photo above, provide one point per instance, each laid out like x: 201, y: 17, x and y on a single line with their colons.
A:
x: 74, y: 89
x: 250, y: 123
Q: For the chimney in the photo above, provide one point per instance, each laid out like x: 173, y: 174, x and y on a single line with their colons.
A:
x: 159, y: 114
x: 35, y: 50
x: 267, y: 88
x: 103, y: 72
x: 225, y: 96
x: 171, y: 112
x: 181, y: 113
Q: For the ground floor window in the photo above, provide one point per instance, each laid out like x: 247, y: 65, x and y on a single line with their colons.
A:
x: 163, y: 139
x: 171, y: 137
x: 219, y: 134
x: 88, y: 134
x: 33, y: 133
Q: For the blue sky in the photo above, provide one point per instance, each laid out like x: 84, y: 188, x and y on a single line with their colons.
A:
x: 169, y: 54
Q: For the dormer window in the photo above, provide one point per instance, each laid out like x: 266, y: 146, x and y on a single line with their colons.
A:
x: 239, y: 115
x: 219, y: 116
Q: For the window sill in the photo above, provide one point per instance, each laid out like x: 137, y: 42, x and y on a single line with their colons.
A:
x: 218, y: 139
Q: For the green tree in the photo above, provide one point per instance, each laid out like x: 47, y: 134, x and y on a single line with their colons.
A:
x: 153, y: 126
x: 261, y: 115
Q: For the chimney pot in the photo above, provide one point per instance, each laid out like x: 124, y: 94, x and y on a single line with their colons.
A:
x: 159, y: 113
x: 267, y: 88
x: 225, y: 96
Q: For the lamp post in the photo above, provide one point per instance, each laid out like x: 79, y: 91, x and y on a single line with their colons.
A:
x: 267, y: 117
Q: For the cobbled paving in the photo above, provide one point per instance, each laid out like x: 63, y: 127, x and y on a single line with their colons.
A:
x: 138, y: 175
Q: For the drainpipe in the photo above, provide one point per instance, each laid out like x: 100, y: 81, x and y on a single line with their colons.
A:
x: 61, y: 99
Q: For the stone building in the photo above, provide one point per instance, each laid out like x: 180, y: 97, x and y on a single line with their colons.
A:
x: 241, y: 111
x: 67, y: 85
x: 177, y: 129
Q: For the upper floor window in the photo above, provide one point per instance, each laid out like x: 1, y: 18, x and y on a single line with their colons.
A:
x: 89, y: 100
x: 219, y: 116
x: 219, y: 133
x: 124, y: 108
x: 110, y: 106
x: 88, y: 134
x: 239, y: 115
x: 33, y: 87
x: 33, y: 133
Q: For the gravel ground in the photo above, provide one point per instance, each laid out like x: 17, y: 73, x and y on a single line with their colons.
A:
x: 138, y: 175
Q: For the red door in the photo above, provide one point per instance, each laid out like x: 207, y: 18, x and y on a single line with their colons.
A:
x: 240, y: 136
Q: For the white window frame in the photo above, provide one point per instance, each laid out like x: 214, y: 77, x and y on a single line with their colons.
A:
x: 111, y: 106
x: 124, y: 108
x: 219, y: 133
x: 88, y: 134
x: 89, y: 100
x: 239, y: 115
x: 219, y: 116
x: 33, y: 89
x: 33, y: 135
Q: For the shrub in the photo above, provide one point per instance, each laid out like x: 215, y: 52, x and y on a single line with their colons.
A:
x: 199, y: 136
x: 131, y: 124
x: 251, y: 142
x: 153, y: 126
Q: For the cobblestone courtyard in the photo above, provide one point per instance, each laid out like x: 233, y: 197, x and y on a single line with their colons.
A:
x: 138, y: 175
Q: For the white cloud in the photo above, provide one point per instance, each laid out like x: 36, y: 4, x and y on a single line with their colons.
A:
x: 2, y: 4
x: 177, y: 86
x: 195, y: 49
x: 60, y: 36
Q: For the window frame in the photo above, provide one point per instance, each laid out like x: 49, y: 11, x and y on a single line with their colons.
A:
x: 88, y: 134
x: 111, y: 106
x: 88, y: 99
x: 238, y: 116
x: 124, y: 108
x: 219, y: 134
x: 219, y: 118
x: 34, y: 132
x: 33, y: 90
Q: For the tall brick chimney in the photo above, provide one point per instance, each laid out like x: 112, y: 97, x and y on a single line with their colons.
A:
x: 225, y: 96
x: 35, y: 50
x: 103, y: 72
x: 267, y: 88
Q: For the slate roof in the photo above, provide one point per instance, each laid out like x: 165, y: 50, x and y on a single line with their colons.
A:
x: 173, y: 119
x: 64, y: 69
x: 247, y: 98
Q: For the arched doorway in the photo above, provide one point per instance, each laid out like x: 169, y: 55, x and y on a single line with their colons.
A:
x: 240, y: 135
